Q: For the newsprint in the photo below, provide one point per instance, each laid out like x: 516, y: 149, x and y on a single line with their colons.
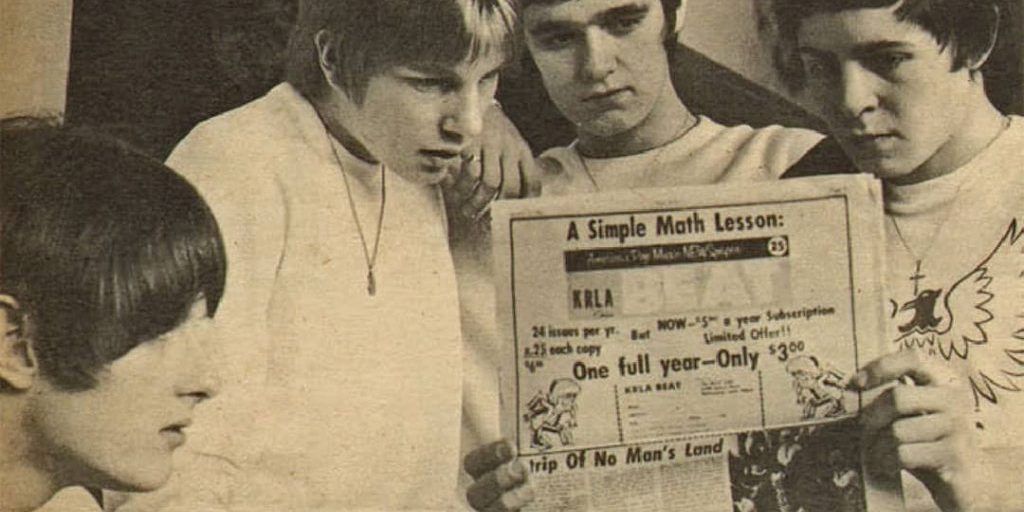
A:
x: 681, y: 350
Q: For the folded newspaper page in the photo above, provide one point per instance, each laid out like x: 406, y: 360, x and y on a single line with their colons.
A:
x: 687, y: 349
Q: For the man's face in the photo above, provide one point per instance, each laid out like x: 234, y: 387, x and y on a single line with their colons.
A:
x: 886, y: 89
x: 603, y: 62
x: 120, y: 434
x: 418, y: 119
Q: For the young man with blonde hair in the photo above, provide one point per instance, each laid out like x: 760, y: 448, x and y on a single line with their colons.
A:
x: 341, y: 302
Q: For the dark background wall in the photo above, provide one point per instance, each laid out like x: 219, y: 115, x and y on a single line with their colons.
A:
x: 149, y: 71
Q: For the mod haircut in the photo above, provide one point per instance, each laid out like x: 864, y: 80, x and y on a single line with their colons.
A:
x: 369, y: 36
x: 669, y: 7
x: 102, y: 247
x: 965, y: 28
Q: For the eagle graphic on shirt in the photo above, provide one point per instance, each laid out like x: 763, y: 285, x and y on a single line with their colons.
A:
x: 960, y: 323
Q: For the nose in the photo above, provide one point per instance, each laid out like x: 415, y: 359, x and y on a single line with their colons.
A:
x: 198, y: 379
x: 857, y: 91
x: 598, y: 59
x: 203, y: 386
x: 464, y: 120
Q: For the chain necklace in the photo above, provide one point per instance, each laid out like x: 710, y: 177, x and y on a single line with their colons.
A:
x: 371, y: 259
x: 917, y: 276
x: 654, y: 161
x: 919, y: 257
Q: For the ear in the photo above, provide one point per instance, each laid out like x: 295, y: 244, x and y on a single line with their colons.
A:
x: 327, y: 55
x: 974, y: 65
x: 672, y: 34
x: 680, y: 17
x: 18, y: 364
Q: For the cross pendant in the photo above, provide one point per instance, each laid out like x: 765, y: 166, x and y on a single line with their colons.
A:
x: 371, y: 283
x: 917, y: 276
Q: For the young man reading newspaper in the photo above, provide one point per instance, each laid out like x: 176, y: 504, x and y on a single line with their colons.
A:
x: 605, y: 64
x: 326, y: 189
x: 899, y: 83
x: 932, y: 118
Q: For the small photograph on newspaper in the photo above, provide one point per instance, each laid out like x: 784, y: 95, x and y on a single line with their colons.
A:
x: 810, y: 467
x: 689, y: 349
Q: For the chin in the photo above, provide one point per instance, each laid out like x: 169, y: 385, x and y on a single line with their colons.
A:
x: 422, y: 174
x: 610, y: 125
x: 143, y: 480
x: 138, y: 475
x: 883, y: 169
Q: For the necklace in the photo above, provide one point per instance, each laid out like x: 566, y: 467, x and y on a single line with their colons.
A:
x: 654, y: 161
x: 917, y: 276
x: 371, y: 259
x: 919, y: 257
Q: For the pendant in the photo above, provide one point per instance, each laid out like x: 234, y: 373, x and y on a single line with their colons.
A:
x: 917, y: 276
x: 371, y: 283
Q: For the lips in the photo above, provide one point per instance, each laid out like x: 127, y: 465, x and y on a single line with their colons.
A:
x: 874, y: 143
x: 174, y: 433
x: 438, y: 161
x: 605, y: 95
x: 441, y: 154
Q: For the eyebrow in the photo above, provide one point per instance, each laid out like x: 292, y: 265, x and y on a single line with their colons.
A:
x: 548, y: 27
x: 880, y: 46
x: 623, y: 10
x: 443, y: 71
x: 862, y: 49
x: 429, y: 68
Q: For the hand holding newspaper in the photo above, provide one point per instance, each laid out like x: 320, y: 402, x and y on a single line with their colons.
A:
x: 689, y: 349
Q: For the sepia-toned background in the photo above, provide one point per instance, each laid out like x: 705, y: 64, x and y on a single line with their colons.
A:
x: 149, y: 71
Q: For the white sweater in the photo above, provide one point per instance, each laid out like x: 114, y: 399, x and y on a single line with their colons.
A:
x: 333, y: 400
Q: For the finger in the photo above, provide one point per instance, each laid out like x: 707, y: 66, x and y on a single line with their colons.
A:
x: 479, y: 200
x: 455, y: 173
x: 913, y: 400
x: 467, y: 177
x: 511, y: 176
x: 529, y: 178
x: 489, y: 487
x: 488, y: 457
x: 512, y: 500
x: 492, y: 173
x: 890, y: 367
x: 923, y: 429
x: 935, y: 455
x: 905, y: 401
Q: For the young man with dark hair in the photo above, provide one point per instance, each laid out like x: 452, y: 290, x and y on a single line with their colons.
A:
x: 605, y: 65
x: 900, y: 85
x: 341, y: 291
x: 111, y: 267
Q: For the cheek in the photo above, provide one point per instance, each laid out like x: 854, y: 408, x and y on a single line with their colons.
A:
x: 557, y: 73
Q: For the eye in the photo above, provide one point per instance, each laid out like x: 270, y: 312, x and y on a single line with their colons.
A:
x: 816, y: 68
x: 887, y: 63
x: 429, y: 84
x: 490, y: 77
x: 557, y: 40
x: 624, y: 24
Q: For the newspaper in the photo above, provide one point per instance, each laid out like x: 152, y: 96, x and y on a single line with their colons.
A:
x: 687, y: 349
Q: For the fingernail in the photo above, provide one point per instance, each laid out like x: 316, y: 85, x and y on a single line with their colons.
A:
x: 516, y: 471
x: 503, y: 451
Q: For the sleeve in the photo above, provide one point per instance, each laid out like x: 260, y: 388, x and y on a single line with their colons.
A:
x: 236, y: 180
x: 789, y: 146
